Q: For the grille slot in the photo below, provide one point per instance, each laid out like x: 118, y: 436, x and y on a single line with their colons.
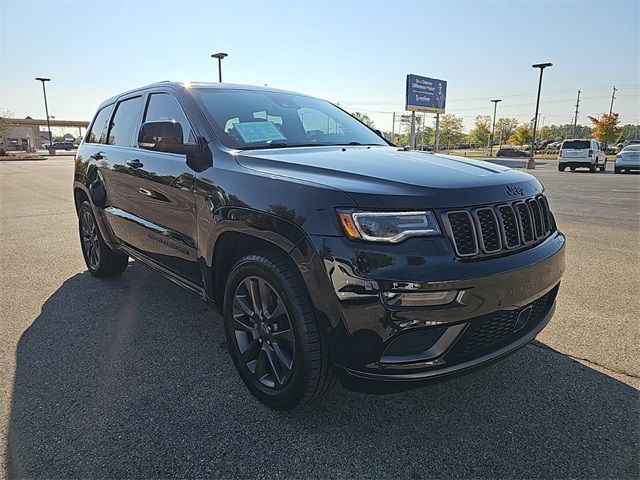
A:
x: 494, y: 229
x: 509, y: 226
x: 464, y: 235
x: 546, y: 214
x: 489, y: 237
x: 538, y: 221
x: 526, y: 225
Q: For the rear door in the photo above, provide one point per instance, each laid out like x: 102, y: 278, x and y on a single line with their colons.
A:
x: 157, y: 204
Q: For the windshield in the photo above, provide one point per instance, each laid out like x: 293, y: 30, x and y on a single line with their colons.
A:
x: 247, y: 119
x: 576, y: 145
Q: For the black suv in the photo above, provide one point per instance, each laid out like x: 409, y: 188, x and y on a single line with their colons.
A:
x: 328, y: 251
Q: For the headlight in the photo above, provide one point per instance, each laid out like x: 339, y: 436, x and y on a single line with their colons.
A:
x: 390, y: 227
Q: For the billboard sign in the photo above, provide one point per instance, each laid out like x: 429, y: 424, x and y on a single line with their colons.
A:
x: 425, y: 94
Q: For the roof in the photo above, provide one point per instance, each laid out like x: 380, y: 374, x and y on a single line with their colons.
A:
x: 200, y: 85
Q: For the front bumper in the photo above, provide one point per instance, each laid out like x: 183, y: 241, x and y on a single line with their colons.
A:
x: 395, y: 343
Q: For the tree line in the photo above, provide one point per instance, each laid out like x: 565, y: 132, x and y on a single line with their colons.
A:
x: 508, y: 131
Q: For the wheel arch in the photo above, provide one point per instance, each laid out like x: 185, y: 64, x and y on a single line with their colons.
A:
x: 288, y: 242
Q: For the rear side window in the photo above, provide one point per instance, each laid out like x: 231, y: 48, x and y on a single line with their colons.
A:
x: 576, y: 145
x: 124, y: 123
x: 163, y: 106
x: 98, y: 132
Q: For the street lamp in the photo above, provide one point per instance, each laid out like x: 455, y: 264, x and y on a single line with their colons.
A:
x: 531, y: 165
x: 493, y: 126
x: 219, y: 56
x: 46, y: 110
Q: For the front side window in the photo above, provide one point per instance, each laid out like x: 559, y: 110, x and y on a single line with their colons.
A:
x: 247, y: 119
x: 123, y: 125
x: 98, y: 132
x: 165, y: 107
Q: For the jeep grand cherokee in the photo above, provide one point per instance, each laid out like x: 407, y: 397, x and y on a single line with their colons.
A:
x: 328, y: 251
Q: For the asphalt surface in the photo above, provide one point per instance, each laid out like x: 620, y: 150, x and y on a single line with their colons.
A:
x: 130, y: 377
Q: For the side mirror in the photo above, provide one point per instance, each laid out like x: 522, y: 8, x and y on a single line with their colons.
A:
x: 163, y: 136
x: 379, y: 133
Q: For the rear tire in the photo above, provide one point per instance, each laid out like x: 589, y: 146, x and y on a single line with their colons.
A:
x: 617, y: 170
x: 101, y: 260
x: 274, y: 339
x: 592, y: 167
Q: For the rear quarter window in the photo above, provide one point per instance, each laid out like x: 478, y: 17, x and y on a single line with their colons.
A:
x: 99, y: 127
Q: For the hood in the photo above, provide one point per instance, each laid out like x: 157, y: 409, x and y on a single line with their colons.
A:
x: 385, y: 177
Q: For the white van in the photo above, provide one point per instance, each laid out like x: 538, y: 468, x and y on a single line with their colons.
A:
x: 582, y: 153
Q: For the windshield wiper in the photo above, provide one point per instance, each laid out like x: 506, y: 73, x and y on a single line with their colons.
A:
x: 285, y: 145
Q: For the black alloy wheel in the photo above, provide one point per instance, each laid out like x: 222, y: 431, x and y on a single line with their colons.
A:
x: 101, y: 260
x: 263, y: 332
x: 90, y: 242
x: 275, y: 341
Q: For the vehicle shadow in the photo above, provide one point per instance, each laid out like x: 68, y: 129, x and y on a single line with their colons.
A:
x: 130, y: 378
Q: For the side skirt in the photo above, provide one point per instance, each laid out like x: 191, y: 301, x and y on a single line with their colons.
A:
x: 173, y: 277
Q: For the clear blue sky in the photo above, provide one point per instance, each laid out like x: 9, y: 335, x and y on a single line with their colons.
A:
x: 355, y: 53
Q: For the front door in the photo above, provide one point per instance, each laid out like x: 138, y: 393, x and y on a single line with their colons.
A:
x: 153, y: 209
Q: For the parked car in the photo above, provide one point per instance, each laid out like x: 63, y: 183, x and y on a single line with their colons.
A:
x: 63, y: 146
x: 328, y: 251
x: 512, y: 153
x: 582, y: 153
x: 628, y: 159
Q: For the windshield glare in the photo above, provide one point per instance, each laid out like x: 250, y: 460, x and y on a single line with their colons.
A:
x: 246, y: 119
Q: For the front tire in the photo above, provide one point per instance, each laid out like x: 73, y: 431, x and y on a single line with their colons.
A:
x: 274, y: 339
x: 561, y: 167
x: 101, y: 260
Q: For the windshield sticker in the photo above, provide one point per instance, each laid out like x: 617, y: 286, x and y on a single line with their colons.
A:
x: 255, y: 132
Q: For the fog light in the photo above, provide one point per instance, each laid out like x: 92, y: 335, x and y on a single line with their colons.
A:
x: 419, y: 299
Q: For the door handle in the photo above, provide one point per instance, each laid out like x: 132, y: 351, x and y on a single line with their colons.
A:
x: 144, y: 191
x: 135, y: 163
x: 97, y: 156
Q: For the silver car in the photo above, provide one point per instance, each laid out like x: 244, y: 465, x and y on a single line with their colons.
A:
x: 628, y: 159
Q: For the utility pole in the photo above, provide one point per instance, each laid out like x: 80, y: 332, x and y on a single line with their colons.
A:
x: 393, y: 126
x: 493, y: 126
x: 437, y: 142
x: 412, y: 137
x: 613, y: 97
x: 531, y: 165
x: 575, y: 119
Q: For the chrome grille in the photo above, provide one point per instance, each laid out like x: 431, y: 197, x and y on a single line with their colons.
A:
x: 494, y: 229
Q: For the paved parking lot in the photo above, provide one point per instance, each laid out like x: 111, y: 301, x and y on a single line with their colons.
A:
x: 130, y: 377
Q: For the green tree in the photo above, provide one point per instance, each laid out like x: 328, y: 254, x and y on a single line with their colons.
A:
x: 505, y: 128
x: 364, y: 118
x: 521, y: 135
x: 450, y: 130
x: 481, y: 131
x: 605, y: 129
x: 405, y: 123
x: 5, y: 123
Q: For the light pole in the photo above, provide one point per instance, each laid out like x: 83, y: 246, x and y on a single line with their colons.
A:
x: 531, y: 165
x: 219, y: 56
x: 46, y: 110
x: 493, y: 126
